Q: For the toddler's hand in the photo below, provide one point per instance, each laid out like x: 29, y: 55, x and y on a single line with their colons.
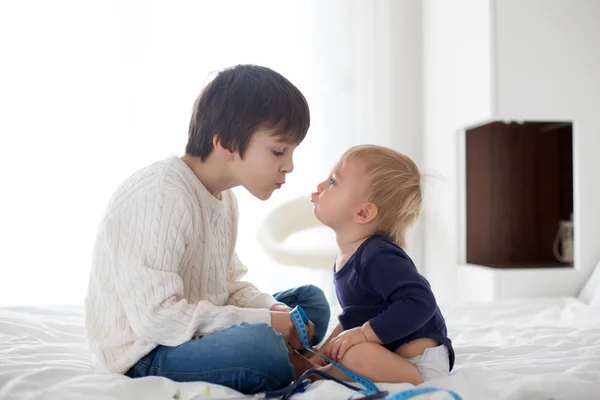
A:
x: 340, y: 344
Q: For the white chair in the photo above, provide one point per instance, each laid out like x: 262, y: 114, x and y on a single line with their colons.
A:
x: 277, y: 231
x: 291, y: 235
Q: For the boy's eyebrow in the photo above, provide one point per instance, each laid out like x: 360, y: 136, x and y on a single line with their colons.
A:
x: 283, y: 139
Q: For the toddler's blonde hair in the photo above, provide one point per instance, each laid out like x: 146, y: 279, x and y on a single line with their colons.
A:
x: 395, y: 188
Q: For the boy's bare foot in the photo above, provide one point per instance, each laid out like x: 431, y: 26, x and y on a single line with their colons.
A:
x: 318, y: 360
x: 301, y: 364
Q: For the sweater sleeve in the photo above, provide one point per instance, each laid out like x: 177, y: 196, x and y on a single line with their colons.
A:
x: 410, y: 300
x: 147, y: 240
x: 245, y: 294
x: 242, y: 293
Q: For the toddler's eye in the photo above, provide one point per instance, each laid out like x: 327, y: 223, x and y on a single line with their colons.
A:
x: 277, y: 153
x: 331, y: 181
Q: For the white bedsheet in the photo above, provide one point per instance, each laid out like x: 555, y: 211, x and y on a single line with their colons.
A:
x: 534, y: 349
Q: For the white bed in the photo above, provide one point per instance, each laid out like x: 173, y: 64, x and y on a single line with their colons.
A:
x: 525, y: 349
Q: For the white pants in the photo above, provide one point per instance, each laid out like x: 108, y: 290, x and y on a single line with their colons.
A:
x: 433, y: 363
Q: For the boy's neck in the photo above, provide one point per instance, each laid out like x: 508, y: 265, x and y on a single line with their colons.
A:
x: 212, y: 173
x: 348, y: 242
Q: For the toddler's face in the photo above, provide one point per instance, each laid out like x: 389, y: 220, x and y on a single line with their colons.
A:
x: 339, y: 197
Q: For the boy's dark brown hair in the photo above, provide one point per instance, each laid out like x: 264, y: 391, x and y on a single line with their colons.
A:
x: 238, y: 101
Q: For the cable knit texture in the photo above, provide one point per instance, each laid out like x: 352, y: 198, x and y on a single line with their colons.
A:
x: 164, y: 268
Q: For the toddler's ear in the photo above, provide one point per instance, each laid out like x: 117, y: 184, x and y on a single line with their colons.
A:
x: 223, y: 151
x: 366, y: 213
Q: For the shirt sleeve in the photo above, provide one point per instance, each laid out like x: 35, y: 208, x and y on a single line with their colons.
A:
x: 244, y: 294
x: 410, y: 300
x: 147, y: 241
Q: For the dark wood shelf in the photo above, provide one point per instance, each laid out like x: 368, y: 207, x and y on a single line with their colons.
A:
x: 519, y: 186
x: 527, y: 265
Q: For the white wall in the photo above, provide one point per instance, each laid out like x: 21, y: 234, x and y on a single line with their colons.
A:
x: 367, y: 88
x: 533, y: 59
x: 457, y: 92
x: 370, y: 87
x: 548, y: 67
x: 118, y: 95
x: 92, y: 91
x: 405, y: 94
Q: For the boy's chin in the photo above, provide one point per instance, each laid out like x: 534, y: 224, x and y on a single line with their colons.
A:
x: 261, y: 194
x: 265, y: 197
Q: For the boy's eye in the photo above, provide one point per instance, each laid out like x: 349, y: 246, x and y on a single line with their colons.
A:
x: 331, y: 181
x: 277, y: 153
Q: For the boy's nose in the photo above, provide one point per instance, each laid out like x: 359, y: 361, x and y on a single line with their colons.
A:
x: 288, y: 166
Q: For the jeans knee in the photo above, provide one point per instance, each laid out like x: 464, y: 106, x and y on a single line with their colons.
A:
x: 312, y: 291
x: 316, y: 297
x: 271, y: 354
x: 318, y: 302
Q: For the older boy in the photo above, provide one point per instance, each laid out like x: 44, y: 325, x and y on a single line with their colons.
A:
x: 165, y: 296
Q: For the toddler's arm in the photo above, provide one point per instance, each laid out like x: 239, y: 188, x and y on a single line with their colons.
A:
x: 411, y: 302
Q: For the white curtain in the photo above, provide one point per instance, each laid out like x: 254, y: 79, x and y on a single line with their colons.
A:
x: 92, y: 91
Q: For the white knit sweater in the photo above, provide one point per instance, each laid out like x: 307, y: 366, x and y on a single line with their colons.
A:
x: 164, y: 268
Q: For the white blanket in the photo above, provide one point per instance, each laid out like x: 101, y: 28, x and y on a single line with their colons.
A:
x: 527, y: 349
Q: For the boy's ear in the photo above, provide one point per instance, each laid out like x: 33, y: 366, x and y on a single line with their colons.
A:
x: 366, y: 213
x: 223, y: 151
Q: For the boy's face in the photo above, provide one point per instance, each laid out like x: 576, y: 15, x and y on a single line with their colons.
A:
x: 341, y: 195
x: 267, y: 160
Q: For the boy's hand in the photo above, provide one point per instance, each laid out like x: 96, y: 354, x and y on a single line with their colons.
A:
x: 281, y: 307
x: 282, y: 323
x: 340, y: 344
x: 310, y: 330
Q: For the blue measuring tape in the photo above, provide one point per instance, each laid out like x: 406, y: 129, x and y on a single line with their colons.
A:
x: 410, y: 393
x: 300, y: 320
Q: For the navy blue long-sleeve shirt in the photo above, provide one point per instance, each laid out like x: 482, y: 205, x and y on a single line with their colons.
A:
x: 380, y: 283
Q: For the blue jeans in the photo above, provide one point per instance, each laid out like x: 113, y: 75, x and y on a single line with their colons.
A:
x: 250, y: 358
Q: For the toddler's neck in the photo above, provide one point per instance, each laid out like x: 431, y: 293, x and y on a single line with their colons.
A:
x: 347, y: 246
